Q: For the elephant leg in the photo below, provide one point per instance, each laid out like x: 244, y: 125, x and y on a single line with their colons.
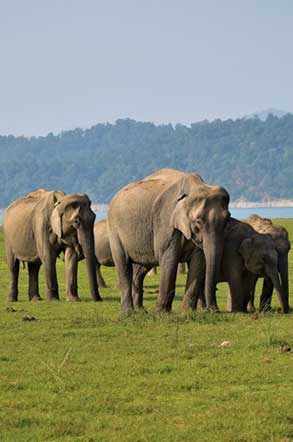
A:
x: 238, y: 299
x: 125, y: 272
x: 49, y: 263
x: 283, y: 272
x: 168, y: 265
x: 139, y: 273
x: 189, y: 301
x: 101, y: 281
x: 33, y: 284
x: 250, y: 305
x: 71, y: 267
x: 237, y: 289
x: 266, y: 295
x: 125, y: 283
x: 249, y: 282
x: 194, y: 288
x: 13, y: 266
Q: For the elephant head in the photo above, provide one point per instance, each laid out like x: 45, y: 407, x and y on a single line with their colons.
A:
x: 72, y: 220
x: 201, y: 213
x: 261, y: 258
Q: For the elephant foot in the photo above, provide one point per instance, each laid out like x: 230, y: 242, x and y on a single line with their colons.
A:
x: 52, y: 298
x: 127, y: 309
x: 140, y: 309
x: 188, y: 305
x: 72, y: 298
x: 12, y: 298
x: 36, y: 298
x: 163, y: 309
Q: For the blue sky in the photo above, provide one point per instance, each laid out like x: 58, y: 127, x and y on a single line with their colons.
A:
x: 67, y: 64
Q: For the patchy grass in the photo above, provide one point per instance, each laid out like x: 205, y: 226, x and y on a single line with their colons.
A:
x: 80, y: 372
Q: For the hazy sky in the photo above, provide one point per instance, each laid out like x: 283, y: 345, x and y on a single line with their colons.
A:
x: 67, y: 64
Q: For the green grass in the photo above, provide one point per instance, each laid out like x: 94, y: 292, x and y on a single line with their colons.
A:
x: 79, y: 372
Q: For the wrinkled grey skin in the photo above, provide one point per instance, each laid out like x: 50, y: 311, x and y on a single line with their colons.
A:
x: 247, y: 255
x: 104, y: 257
x: 37, y: 228
x: 102, y: 249
x: 282, y: 244
x: 159, y: 221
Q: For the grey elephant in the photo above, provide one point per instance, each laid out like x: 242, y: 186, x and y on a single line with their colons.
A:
x: 247, y: 255
x: 104, y: 257
x: 282, y: 244
x: 37, y: 228
x: 159, y: 221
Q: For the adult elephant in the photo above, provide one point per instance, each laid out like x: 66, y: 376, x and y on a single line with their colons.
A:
x: 37, y: 228
x: 247, y: 255
x: 282, y: 244
x: 158, y: 221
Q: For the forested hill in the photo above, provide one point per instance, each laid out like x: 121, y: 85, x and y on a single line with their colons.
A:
x: 253, y: 159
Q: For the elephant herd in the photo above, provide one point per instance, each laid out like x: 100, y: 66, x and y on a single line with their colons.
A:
x: 167, y: 218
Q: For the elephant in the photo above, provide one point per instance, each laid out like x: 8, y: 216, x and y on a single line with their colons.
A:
x: 281, y: 241
x: 37, y: 228
x: 159, y: 221
x: 247, y: 255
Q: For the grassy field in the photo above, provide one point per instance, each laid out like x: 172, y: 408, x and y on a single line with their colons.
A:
x: 79, y: 372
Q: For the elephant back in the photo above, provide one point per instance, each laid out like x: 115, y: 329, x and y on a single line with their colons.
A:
x: 265, y: 225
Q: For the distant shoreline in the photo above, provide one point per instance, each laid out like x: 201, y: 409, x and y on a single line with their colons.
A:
x: 233, y: 205
x: 263, y: 204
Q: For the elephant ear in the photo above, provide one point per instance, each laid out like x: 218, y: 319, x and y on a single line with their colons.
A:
x: 179, y: 219
x: 245, y: 248
x: 56, y: 221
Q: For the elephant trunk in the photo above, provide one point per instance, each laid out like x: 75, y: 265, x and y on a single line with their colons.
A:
x: 213, y: 245
x: 283, y: 272
x: 86, y: 240
x: 274, y: 276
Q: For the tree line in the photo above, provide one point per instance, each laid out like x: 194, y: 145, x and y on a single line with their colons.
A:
x: 253, y: 159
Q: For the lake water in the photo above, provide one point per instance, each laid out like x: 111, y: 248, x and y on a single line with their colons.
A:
x: 268, y: 212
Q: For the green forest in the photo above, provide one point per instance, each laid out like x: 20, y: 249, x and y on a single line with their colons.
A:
x: 253, y: 159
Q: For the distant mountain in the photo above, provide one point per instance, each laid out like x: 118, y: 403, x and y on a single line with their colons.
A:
x: 263, y: 115
x: 252, y: 158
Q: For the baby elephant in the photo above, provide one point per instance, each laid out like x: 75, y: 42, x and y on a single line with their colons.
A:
x: 247, y: 256
x: 282, y: 244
